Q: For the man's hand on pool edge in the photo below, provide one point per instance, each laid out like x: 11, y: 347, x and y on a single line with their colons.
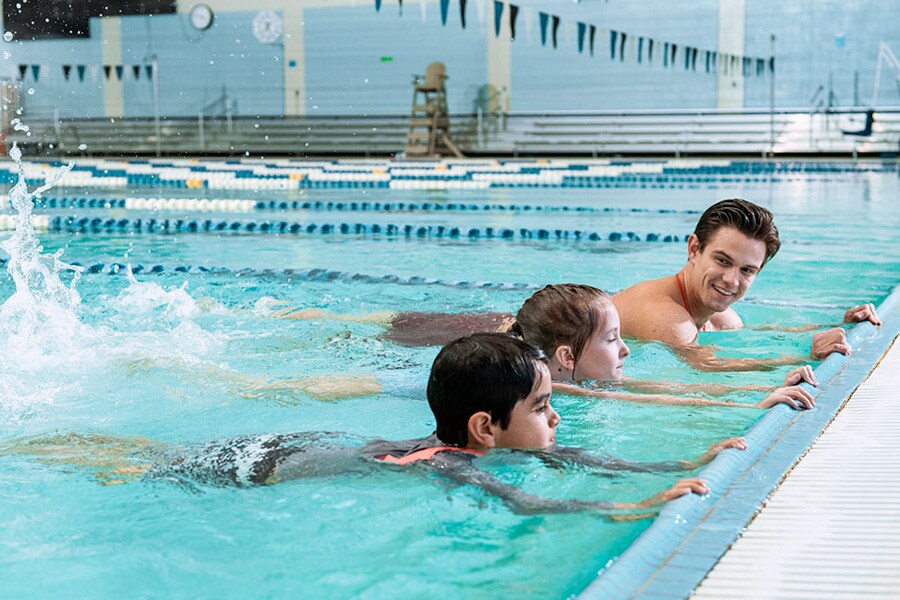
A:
x: 863, y: 312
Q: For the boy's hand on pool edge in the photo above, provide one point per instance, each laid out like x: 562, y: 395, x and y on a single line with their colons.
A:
x: 694, y: 485
x: 794, y: 396
x: 863, y: 312
x: 738, y: 443
x: 800, y: 374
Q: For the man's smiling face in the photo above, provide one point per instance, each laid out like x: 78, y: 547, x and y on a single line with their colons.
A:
x: 725, y: 269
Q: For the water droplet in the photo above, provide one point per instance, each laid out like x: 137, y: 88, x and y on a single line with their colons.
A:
x: 6, y: 55
x: 366, y: 80
x: 82, y: 146
x: 8, y: 36
x: 31, y: 91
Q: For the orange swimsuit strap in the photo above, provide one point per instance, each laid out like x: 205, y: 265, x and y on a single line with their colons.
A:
x: 684, y: 299
x: 424, y: 454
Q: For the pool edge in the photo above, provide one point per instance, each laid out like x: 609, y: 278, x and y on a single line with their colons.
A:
x: 691, y: 534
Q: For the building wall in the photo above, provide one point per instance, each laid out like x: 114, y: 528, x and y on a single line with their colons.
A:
x: 341, y: 57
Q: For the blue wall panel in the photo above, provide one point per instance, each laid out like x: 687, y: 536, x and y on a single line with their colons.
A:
x: 548, y: 79
x: 343, y: 70
x: 194, y: 66
x: 345, y: 73
x: 52, y: 91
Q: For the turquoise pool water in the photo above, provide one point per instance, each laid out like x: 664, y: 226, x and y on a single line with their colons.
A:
x: 178, y: 356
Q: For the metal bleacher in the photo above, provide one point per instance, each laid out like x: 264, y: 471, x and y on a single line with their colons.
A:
x: 700, y: 132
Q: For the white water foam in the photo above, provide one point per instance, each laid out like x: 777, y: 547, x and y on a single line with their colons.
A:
x: 47, y: 351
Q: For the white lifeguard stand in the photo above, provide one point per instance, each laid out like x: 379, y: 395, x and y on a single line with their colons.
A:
x: 429, y: 122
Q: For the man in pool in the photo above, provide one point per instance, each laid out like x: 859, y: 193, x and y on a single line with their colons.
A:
x: 732, y: 242
x: 487, y: 391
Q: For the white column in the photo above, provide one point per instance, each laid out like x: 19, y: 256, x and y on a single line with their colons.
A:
x: 730, y: 86
x: 111, y: 32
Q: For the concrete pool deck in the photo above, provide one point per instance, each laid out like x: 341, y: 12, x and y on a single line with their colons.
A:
x: 832, y: 530
x: 691, y: 534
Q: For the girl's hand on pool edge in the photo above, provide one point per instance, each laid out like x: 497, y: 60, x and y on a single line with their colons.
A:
x: 794, y: 396
x: 800, y: 374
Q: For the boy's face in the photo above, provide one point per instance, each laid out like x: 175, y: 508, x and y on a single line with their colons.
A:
x: 532, y: 423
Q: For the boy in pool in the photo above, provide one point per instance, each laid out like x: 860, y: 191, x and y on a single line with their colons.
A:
x: 487, y: 391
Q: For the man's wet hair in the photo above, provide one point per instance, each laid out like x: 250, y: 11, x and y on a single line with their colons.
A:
x: 487, y: 372
x: 750, y: 219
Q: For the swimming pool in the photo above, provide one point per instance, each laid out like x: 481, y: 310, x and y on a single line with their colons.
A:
x: 179, y: 356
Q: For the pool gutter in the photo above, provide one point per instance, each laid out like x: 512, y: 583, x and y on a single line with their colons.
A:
x: 691, y: 534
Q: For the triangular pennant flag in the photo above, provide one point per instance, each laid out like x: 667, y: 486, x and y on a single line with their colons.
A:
x: 591, y: 37
x: 400, y: 4
x: 80, y: 70
x: 760, y: 66
x: 528, y: 14
x: 462, y: 12
x: 22, y: 70
x: 772, y: 64
x: 423, y: 6
x: 687, y: 58
x: 714, y: 67
x: 622, y: 36
x: 674, y: 52
x: 35, y: 72
x: 694, y: 59
x: 148, y: 69
x: 107, y: 70
x: 377, y: 5
x: 582, y: 29
x: 67, y: 70
x: 666, y: 54
x: 650, y: 50
x: 119, y: 71
x: 498, y: 14
x: 543, y: 18
x: 640, y: 49
x: 555, y: 30
x: 613, y: 41
x: 136, y: 69
x: 445, y: 7
x: 513, y: 15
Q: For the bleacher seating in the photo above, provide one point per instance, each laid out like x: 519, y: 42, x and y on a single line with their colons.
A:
x: 596, y: 134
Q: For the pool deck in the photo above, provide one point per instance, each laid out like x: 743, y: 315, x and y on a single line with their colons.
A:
x: 832, y: 530
x: 848, y: 510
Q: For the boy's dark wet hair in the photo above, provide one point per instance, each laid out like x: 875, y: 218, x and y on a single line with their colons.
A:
x: 753, y: 221
x: 487, y: 372
x: 564, y: 314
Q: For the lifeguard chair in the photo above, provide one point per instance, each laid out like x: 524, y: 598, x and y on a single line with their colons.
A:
x: 429, y: 121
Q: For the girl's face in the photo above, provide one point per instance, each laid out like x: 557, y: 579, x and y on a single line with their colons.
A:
x: 604, y: 354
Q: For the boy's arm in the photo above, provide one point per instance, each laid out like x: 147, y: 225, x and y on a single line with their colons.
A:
x: 527, y: 504
x: 578, y: 456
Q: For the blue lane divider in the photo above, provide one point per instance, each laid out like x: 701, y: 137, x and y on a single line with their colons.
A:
x: 314, y: 274
x: 362, y: 206
x: 113, y: 225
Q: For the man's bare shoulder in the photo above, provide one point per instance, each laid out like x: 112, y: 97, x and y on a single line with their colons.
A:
x: 727, y: 319
x: 648, y: 310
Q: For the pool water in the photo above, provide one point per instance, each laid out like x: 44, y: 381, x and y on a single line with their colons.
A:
x: 183, y: 357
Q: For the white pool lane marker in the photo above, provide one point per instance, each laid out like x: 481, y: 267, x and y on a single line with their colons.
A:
x: 832, y: 530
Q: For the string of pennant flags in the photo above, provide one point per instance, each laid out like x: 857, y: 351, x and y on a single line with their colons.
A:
x: 120, y: 72
x: 621, y: 44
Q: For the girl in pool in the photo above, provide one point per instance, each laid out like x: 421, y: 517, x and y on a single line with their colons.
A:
x: 577, y: 326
